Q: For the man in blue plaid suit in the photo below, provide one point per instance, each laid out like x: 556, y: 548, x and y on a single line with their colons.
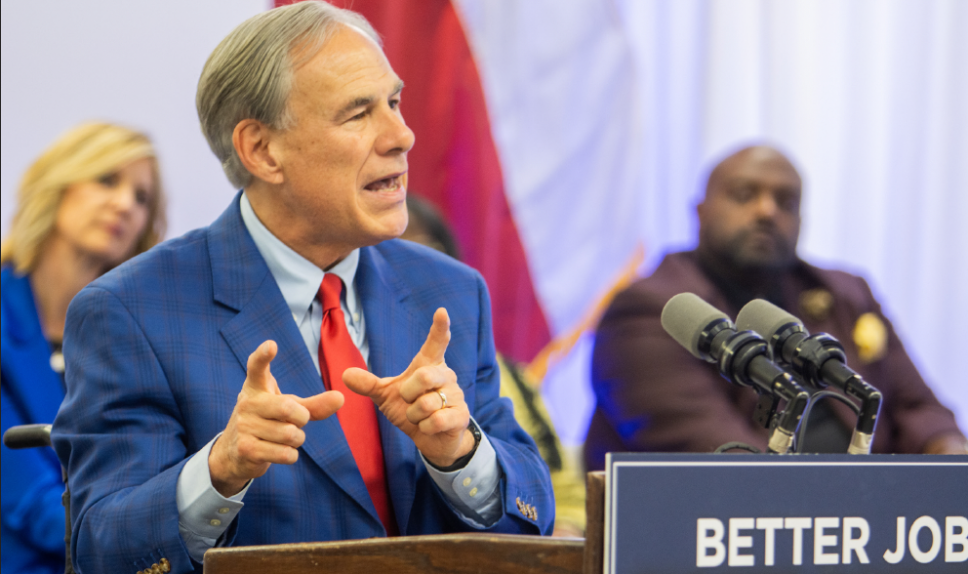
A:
x: 196, y: 416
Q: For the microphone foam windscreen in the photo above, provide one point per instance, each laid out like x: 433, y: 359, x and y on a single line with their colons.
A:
x: 764, y: 318
x: 685, y: 317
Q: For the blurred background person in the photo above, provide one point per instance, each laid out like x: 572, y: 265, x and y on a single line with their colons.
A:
x: 92, y: 200
x: 428, y: 227
x: 653, y: 395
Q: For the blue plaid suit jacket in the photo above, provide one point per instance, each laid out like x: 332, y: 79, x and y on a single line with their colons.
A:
x: 156, y: 354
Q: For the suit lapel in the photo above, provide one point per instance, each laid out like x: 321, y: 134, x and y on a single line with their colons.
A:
x: 243, y: 282
x: 390, y: 330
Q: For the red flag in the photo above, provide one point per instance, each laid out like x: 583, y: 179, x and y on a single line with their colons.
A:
x: 455, y: 163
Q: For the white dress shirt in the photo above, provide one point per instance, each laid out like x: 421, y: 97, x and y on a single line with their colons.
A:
x: 204, y: 515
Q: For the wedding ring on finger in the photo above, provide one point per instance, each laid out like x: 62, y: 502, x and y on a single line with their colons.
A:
x: 443, y: 400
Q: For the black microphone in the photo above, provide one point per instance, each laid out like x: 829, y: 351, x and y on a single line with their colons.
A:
x: 819, y: 359
x: 742, y: 358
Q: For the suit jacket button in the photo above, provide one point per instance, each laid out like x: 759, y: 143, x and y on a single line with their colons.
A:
x: 165, y: 565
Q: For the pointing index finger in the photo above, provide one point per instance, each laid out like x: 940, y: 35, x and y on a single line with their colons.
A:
x: 438, y: 339
x: 258, y: 374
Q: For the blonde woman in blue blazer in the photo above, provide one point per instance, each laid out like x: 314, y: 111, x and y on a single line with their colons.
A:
x: 90, y: 202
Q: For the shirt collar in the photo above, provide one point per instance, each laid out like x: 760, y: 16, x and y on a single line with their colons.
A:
x: 298, y: 278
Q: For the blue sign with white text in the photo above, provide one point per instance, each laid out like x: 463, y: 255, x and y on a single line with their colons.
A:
x: 669, y: 514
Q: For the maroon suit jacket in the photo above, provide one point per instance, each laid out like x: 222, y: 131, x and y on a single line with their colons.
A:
x: 653, y: 396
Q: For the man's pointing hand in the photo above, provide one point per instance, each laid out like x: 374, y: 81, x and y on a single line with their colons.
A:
x: 424, y: 401
x: 266, y: 426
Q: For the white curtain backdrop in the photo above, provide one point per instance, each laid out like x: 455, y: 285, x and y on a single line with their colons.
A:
x: 608, y: 111
x: 134, y: 63
x: 605, y: 113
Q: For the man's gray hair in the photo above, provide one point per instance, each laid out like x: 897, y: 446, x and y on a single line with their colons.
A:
x: 249, y: 75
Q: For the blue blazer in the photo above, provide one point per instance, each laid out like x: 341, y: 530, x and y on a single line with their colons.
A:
x: 32, y: 515
x: 156, y: 354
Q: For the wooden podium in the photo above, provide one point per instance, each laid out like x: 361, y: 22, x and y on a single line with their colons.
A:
x: 452, y: 554
x: 457, y: 554
x: 594, y: 559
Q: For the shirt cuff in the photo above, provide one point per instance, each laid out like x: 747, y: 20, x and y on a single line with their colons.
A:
x: 473, y: 491
x: 204, y: 515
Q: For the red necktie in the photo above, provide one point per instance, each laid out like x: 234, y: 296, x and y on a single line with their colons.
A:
x: 337, y: 352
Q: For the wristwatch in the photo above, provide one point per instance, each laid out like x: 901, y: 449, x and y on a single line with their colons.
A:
x: 463, y: 461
